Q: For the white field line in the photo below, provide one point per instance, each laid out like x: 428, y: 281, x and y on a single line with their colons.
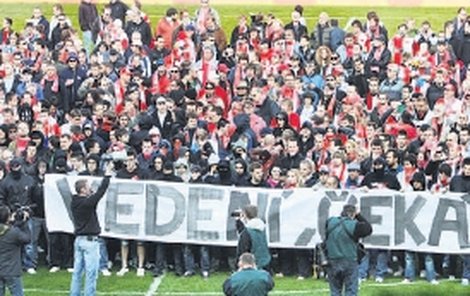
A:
x: 154, y: 286
x: 287, y: 292
x: 66, y: 292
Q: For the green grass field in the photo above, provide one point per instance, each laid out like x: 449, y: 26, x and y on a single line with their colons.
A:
x: 45, y: 284
x: 391, y: 16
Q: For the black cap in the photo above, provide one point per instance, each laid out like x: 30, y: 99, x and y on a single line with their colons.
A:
x: 16, y: 162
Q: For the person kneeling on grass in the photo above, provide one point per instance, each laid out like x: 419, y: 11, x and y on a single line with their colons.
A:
x: 248, y: 280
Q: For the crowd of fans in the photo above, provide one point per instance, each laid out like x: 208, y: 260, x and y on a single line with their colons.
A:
x: 267, y: 105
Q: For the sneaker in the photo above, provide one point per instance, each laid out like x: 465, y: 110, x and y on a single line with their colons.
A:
x: 31, y: 271
x: 379, y: 280
x: 70, y: 270
x: 422, y: 274
x: 105, y: 272
x: 300, y: 278
x: 188, y: 273
x: 406, y: 281
x: 205, y: 274
x: 464, y: 282
x: 123, y: 271
x: 279, y: 275
x: 361, y: 280
x: 399, y: 272
x: 434, y: 282
x: 54, y: 269
x: 451, y: 277
x: 140, y: 272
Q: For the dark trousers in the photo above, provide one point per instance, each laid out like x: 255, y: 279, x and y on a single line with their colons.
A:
x: 61, y: 249
x: 296, y: 262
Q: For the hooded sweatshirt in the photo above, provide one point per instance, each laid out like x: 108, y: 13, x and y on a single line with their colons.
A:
x: 253, y: 240
x: 12, y: 239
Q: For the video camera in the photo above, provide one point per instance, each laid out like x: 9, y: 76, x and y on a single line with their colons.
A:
x: 21, y: 211
x: 236, y: 214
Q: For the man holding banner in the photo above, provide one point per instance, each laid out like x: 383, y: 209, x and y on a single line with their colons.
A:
x: 87, y: 230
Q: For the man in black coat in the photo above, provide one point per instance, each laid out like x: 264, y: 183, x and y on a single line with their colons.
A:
x: 378, y: 178
x: 461, y: 183
x: 12, y: 239
x: 87, y: 231
x: 70, y: 80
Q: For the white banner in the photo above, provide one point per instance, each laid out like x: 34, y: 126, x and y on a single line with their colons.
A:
x: 200, y: 214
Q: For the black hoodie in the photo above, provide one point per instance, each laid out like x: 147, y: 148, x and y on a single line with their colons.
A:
x: 12, y: 239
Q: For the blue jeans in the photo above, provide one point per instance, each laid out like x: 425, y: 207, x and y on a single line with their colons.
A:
x: 410, y: 269
x: 88, y: 43
x: 466, y: 267
x: 103, y: 254
x: 343, y: 273
x: 86, y: 259
x: 379, y: 257
x: 30, y: 258
x: 188, y: 256
x: 14, y: 284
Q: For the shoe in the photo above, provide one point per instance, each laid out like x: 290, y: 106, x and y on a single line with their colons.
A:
x: 54, y: 269
x: 361, y: 280
x: 205, y: 274
x: 406, y: 281
x: 105, y: 272
x: 70, y: 270
x: 422, y: 274
x: 434, y: 282
x: 279, y: 275
x: 399, y: 272
x: 188, y: 273
x: 31, y: 271
x: 157, y: 273
x: 300, y: 278
x: 379, y: 280
x: 140, y: 272
x: 464, y: 282
x: 451, y: 277
x: 123, y: 271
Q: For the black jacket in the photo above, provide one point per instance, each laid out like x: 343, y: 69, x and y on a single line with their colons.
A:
x: 12, y: 239
x: 460, y: 183
x: 376, y: 179
x: 88, y: 17
x: 83, y: 208
x: 16, y: 190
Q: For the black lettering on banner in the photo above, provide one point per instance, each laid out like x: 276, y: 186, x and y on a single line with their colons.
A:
x: 196, y: 214
x: 238, y: 200
x: 440, y: 224
x: 367, y: 203
x: 274, y: 220
x: 66, y: 194
x: 404, y: 219
x: 305, y: 237
x: 113, y: 208
x: 153, y: 196
x: 323, y: 215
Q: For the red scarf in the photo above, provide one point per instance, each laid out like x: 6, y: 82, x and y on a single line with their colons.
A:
x: 55, y: 82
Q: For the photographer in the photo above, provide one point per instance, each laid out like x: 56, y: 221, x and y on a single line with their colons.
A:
x: 248, y: 280
x: 253, y: 237
x: 342, y: 235
x: 16, y: 190
x: 12, y: 239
